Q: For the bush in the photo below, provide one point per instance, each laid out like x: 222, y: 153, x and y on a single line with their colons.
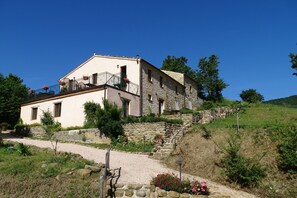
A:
x: 22, y: 130
x: 287, y: 151
x: 171, y: 182
x: 90, y: 109
x: 1, y: 139
x: 4, y: 126
x: 186, y: 111
x: 149, y: 118
x: 251, y: 96
x: 206, y: 132
x: 47, y: 120
x: 246, y: 172
x: 22, y: 149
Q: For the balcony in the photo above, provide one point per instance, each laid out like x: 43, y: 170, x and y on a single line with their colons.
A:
x: 86, y: 82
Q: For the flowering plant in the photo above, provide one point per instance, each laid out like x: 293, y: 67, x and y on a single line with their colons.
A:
x: 61, y: 82
x: 199, y: 188
x: 126, y: 80
x: 45, y: 87
x: 85, y: 77
x: 170, y: 182
x: 31, y: 92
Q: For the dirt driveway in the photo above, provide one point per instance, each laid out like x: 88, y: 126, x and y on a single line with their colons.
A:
x: 136, y: 168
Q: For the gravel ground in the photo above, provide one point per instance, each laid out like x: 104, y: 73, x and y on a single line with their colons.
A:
x: 136, y: 168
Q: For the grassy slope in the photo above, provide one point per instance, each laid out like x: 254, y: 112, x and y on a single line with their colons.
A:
x: 203, y: 157
x: 290, y: 101
x: 25, y: 176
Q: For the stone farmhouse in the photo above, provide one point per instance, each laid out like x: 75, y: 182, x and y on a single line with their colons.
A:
x: 134, y: 84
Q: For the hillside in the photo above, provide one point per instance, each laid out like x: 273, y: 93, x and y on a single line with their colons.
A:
x: 263, y: 126
x: 290, y: 101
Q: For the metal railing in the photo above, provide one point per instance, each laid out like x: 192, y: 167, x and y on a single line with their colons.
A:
x: 75, y: 84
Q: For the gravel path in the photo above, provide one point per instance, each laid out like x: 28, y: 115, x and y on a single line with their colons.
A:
x: 136, y: 168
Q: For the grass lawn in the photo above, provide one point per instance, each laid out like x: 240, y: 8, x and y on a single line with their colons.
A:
x: 41, y: 173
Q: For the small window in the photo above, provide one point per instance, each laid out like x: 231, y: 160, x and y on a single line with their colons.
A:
x: 161, y: 81
x: 150, y: 98
x: 57, y: 110
x: 149, y: 75
x: 190, y: 89
x: 34, y: 113
x: 94, y: 76
x: 176, y: 90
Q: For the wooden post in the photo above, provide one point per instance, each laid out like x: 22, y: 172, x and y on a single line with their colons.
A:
x: 103, y: 173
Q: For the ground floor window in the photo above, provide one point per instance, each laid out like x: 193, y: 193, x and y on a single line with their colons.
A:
x: 161, y: 106
x: 34, y: 113
x: 126, y: 104
x: 57, y: 110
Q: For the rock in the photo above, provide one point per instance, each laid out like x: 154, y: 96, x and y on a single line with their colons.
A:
x: 140, y: 193
x: 199, y: 196
x: 184, y: 195
x: 219, y: 196
x: 70, y: 173
x: 43, y: 166
x: 152, y: 188
x: 94, y: 169
x: 119, y: 185
x: 162, y: 193
x: 119, y: 193
x: 58, y: 177
x: 52, y: 165
x: 129, y: 193
x: 84, y: 173
x: 173, y: 194
x: 134, y: 186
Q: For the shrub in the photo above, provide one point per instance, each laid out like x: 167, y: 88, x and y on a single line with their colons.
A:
x: 22, y: 149
x: 287, y: 150
x: 186, y: 111
x: 1, y: 139
x: 150, y: 118
x: 171, y: 182
x: 109, y: 119
x: 246, y: 172
x: 4, y: 126
x: 251, y: 96
x: 90, y: 109
x: 22, y: 130
x: 206, y: 132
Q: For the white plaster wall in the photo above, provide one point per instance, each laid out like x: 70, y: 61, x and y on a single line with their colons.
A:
x: 72, y: 110
x: 98, y: 64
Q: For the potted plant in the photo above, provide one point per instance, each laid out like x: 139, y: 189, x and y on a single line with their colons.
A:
x: 85, y: 77
x: 126, y: 80
x: 45, y: 87
x: 61, y: 82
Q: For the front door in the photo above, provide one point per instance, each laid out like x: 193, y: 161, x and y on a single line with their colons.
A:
x: 161, y: 106
x: 126, y: 107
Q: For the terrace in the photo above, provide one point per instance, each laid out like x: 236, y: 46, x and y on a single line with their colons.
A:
x: 76, y: 84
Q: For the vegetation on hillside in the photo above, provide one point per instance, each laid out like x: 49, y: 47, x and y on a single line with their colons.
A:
x: 260, y: 158
x: 290, y: 101
x: 31, y: 172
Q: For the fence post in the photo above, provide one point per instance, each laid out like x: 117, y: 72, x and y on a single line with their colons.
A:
x: 103, y: 173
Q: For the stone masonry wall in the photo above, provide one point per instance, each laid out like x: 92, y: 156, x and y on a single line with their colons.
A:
x: 166, y: 93
x: 137, y: 131
x: 150, y: 191
x: 81, y: 135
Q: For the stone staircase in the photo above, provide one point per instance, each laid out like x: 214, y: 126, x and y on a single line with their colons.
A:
x: 170, y: 142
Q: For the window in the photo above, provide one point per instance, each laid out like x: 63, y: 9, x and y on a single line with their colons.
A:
x: 161, y: 81
x: 57, y: 110
x: 94, y: 76
x: 125, y: 107
x: 34, y: 113
x: 150, y: 98
x: 176, y: 91
x: 149, y: 75
x: 190, y: 89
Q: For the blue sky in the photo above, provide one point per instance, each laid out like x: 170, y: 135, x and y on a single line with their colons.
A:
x: 41, y: 41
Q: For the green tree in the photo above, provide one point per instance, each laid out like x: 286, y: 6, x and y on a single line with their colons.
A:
x: 12, y: 93
x: 251, y: 96
x: 109, y: 119
x: 293, y: 62
x: 210, y: 86
x: 172, y: 63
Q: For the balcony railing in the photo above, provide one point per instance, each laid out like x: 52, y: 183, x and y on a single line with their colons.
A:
x: 75, y: 84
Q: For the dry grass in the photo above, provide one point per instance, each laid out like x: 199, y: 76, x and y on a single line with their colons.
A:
x: 203, y: 157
